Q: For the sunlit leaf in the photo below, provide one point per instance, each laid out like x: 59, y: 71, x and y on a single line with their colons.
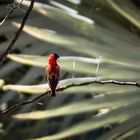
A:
x: 92, y: 124
x: 44, y: 87
x: 81, y: 64
x: 35, y: 60
x: 65, y: 62
x: 81, y: 107
x: 1, y: 83
x: 126, y: 129
x: 127, y: 9
x: 76, y: 20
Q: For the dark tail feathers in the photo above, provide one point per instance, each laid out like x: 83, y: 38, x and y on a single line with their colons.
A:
x: 53, y: 93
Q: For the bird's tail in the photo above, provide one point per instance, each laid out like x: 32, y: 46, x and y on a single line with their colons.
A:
x: 53, y: 93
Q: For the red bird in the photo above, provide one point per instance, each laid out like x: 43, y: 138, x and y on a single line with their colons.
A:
x: 52, y: 72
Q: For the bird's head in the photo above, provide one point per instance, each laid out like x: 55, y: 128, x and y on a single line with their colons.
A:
x: 56, y: 56
x: 52, y: 58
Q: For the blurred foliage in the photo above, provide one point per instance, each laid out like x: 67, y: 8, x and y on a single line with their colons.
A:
x: 79, y: 31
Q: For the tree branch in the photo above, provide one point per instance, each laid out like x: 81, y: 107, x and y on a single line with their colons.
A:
x: 137, y: 84
x: 3, y: 57
x: 16, y: 106
x: 71, y: 84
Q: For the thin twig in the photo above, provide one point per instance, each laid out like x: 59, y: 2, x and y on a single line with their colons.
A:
x: 3, y: 57
x: 16, y: 6
x: 16, y: 106
x: 97, y: 69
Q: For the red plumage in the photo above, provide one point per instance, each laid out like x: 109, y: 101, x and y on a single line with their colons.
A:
x: 52, y: 72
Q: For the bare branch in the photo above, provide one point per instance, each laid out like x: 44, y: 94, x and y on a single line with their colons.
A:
x: 3, y: 57
x: 137, y: 84
x: 16, y: 106
x: 14, y: 7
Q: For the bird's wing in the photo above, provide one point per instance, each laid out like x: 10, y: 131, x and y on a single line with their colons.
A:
x: 52, y: 75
